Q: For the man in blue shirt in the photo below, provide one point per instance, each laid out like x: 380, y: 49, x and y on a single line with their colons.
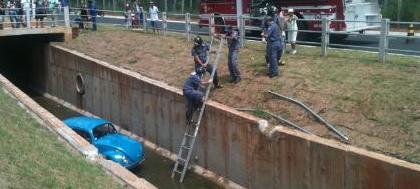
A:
x: 192, y: 91
x: 93, y: 14
x: 232, y: 37
x: 199, y: 52
x: 273, y: 37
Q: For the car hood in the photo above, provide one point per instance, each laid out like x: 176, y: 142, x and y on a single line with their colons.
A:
x: 125, y: 144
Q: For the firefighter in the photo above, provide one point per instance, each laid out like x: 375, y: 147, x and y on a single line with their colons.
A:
x: 192, y: 91
x: 199, y: 52
x: 273, y: 46
x: 232, y: 37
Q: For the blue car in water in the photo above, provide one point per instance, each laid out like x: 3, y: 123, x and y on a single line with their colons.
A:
x: 112, y: 145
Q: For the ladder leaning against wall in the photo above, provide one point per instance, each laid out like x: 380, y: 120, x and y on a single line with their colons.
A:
x: 191, y: 131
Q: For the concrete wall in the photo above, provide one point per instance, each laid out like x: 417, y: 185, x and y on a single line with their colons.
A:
x: 230, y: 143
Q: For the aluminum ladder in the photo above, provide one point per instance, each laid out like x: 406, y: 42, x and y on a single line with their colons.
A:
x: 191, y: 131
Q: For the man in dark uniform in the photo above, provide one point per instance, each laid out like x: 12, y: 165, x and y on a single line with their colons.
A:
x: 199, y: 52
x: 232, y: 37
x: 273, y: 46
x: 192, y: 91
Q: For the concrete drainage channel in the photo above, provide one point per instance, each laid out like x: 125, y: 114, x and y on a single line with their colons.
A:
x: 155, y: 169
x: 234, y: 149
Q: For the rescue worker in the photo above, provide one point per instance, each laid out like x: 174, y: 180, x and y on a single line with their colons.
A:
x: 232, y: 37
x: 199, y: 52
x: 273, y: 46
x: 192, y: 91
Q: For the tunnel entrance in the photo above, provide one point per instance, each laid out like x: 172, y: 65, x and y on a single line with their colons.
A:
x: 21, y: 63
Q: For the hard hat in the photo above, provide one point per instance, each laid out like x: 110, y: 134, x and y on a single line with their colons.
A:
x: 290, y: 10
x: 197, y: 41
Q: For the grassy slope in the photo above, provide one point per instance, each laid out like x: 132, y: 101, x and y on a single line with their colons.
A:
x: 32, y: 157
x: 377, y: 105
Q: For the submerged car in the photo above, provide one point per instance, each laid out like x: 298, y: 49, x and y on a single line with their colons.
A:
x: 112, y: 145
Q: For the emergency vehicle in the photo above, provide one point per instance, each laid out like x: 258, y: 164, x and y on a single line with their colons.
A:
x: 351, y: 15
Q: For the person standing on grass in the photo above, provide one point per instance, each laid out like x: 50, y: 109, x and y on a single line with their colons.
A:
x: 93, y: 14
x: 273, y: 46
x: 199, y: 52
x: 292, y: 28
x: 154, y: 16
x: 232, y: 37
x: 281, y: 22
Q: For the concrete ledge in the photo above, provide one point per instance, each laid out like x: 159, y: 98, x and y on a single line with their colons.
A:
x: 84, y: 147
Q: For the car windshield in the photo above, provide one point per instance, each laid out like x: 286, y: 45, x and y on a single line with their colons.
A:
x: 103, y: 130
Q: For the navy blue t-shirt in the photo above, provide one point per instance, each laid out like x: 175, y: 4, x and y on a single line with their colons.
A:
x: 201, y: 52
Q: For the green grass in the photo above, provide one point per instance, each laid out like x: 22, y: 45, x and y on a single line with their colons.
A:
x: 33, y: 157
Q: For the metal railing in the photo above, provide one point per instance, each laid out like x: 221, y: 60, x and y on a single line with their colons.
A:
x: 27, y: 17
x: 249, y: 27
x: 326, y: 36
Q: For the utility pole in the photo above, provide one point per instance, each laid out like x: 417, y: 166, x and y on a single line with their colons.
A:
x: 238, y: 12
x: 166, y: 5
x: 175, y: 6
x: 191, y: 10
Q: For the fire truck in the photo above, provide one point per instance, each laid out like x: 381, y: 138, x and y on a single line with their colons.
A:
x: 350, y: 15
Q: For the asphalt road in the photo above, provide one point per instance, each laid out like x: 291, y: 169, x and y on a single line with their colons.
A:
x: 361, y: 42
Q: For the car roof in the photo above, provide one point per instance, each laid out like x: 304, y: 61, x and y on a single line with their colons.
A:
x: 84, y: 122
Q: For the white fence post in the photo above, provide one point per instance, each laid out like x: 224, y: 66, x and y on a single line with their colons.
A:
x: 242, y: 30
x: 66, y: 16
x: 165, y: 22
x: 211, y: 26
x: 28, y: 17
x: 188, y: 25
x: 383, y: 40
x: 144, y: 21
x: 325, y: 40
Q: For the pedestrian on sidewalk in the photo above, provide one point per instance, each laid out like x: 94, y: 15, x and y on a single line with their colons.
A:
x: 199, y: 52
x: 154, y: 16
x: 11, y: 5
x: 292, y: 28
x: 273, y: 46
x: 232, y: 37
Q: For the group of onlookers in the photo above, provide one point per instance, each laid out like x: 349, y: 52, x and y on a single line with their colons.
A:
x: 20, y: 12
x: 134, y: 15
x: 87, y: 14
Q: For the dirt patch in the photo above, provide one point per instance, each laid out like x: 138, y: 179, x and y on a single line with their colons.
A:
x: 376, y: 105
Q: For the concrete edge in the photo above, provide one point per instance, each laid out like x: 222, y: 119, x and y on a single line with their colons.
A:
x: 271, y: 132
x: 49, y: 121
x: 161, y: 151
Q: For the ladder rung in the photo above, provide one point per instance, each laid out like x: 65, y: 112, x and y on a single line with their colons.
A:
x: 176, y: 171
x: 182, y: 159
x: 186, y: 147
x: 192, y: 136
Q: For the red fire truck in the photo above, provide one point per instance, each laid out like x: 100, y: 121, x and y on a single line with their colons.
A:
x: 353, y: 15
